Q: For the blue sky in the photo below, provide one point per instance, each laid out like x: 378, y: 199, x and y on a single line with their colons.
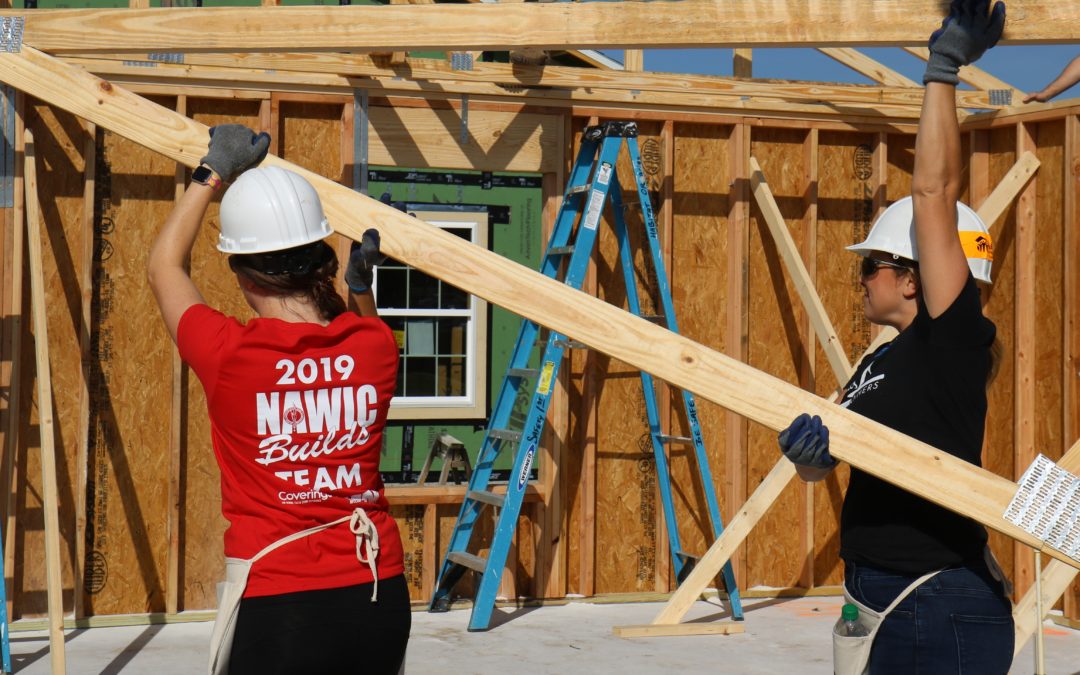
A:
x: 1026, y: 68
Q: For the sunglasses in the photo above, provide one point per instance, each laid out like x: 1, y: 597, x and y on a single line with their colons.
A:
x: 870, y: 266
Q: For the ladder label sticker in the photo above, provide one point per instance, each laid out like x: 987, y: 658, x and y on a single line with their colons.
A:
x: 543, y: 386
x: 596, y: 206
x: 603, y: 174
x: 523, y: 477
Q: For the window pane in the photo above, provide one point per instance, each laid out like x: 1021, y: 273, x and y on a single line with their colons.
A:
x: 452, y: 335
x: 452, y: 376
x: 397, y: 325
x: 423, y: 291
x: 421, y: 377
x: 393, y: 286
x: 420, y: 337
x: 454, y: 298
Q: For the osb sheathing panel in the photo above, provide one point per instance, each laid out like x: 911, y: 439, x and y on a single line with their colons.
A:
x: 59, y: 141
x: 581, y: 407
x: 130, y: 411
x: 777, y: 345
x: 410, y: 522
x: 202, y: 560
x: 846, y: 187
x: 698, y: 276
x: 627, y: 495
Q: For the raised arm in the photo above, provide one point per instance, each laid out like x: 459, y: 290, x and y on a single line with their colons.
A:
x: 360, y: 272
x: 233, y: 149
x: 968, y: 31
x: 1068, y: 77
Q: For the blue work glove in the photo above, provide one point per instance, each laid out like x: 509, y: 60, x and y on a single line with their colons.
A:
x: 234, y: 149
x: 364, y: 255
x: 806, y: 442
x: 968, y: 31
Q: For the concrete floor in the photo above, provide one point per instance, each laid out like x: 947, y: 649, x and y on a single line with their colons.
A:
x: 782, y: 636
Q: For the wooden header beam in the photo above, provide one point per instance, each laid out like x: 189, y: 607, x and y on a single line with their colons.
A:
x: 914, y: 466
x: 439, y: 70
x: 498, y: 26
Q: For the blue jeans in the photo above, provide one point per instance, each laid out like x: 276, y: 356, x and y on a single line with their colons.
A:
x: 957, y: 622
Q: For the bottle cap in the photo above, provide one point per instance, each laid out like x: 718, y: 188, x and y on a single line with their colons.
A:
x: 849, y: 613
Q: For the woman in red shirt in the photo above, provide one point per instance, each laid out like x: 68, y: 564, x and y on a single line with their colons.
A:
x: 298, y: 398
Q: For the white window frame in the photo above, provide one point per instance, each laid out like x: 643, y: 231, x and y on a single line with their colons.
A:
x: 473, y: 405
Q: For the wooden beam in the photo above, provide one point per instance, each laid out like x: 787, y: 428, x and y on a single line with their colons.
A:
x: 864, y: 65
x: 914, y: 466
x: 1009, y: 186
x: 742, y: 63
x: 634, y: 61
x: 498, y: 26
x: 176, y: 434
x: 517, y: 75
x: 653, y: 630
x: 793, y: 263
x: 976, y: 77
x: 1071, y: 348
x: 1025, y: 411
x: 46, y: 427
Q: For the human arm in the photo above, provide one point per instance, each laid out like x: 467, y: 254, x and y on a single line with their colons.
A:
x: 968, y: 31
x: 233, y: 148
x: 1069, y: 76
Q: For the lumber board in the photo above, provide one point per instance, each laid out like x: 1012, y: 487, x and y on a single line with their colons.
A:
x: 804, y: 285
x: 47, y: 432
x: 1008, y: 187
x: 353, y: 65
x: 864, y: 65
x: 231, y: 79
x: 652, y: 630
x: 1071, y: 333
x: 912, y: 465
x: 176, y: 433
x: 86, y: 282
x: 499, y: 26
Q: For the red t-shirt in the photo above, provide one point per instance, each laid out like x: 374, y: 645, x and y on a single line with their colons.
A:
x: 297, y: 413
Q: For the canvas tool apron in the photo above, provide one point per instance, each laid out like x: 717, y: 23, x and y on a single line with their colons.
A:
x: 232, y: 589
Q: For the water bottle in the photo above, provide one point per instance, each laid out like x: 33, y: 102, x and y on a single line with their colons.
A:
x: 849, y: 625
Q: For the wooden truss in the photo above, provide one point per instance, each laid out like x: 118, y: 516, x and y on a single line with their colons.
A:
x: 492, y: 26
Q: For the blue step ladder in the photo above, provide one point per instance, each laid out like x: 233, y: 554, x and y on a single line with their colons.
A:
x: 592, y: 183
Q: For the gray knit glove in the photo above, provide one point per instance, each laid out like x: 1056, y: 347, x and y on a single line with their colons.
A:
x: 234, y: 149
x: 364, y: 255
x: 968, y: 31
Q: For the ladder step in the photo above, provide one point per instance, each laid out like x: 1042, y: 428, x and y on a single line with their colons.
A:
x: 578, y: 189
x: 522, y: 372
x: 664, y: 438
x: 473, y: 562
x: 487, y: 497
x: 505, y: 435
x: 560, y: 250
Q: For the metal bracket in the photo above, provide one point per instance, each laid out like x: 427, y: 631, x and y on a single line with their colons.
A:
x: 464, y: 136
x: 360, y: 140
x: 11, y: 32
x: 461, y: 61
x: 166, y: 57
x: 1000, y: 96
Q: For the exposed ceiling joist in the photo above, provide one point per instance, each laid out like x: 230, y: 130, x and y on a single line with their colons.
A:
x: 557, y: 25
x: 439, y: 70
x: 864, y: 65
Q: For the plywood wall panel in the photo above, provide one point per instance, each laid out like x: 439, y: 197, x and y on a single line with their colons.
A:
x: 202, y: 529
x: 1049, y: 317
x: 846, y: 188
x: 627, y: 499
x: 59, y: 139
x: 130, y: 411
x: 998, y: 306
x: 410, y: 522
x: 778, y: 346
x: 698, y: 285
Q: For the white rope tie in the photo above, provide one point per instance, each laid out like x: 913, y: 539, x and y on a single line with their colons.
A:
x: 367, y: 544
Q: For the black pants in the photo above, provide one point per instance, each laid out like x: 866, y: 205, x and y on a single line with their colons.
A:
x: 333, y: 631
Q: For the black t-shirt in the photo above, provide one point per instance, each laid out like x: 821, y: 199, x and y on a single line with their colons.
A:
x: 929, y: 383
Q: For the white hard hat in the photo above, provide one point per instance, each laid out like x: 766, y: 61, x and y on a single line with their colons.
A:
x: 894, y: 233
x: 270, y: 209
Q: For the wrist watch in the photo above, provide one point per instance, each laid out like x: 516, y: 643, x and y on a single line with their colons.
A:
x: 207, y: 176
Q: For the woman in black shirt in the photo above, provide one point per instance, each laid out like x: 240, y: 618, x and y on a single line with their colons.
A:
x: 920, y: 263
